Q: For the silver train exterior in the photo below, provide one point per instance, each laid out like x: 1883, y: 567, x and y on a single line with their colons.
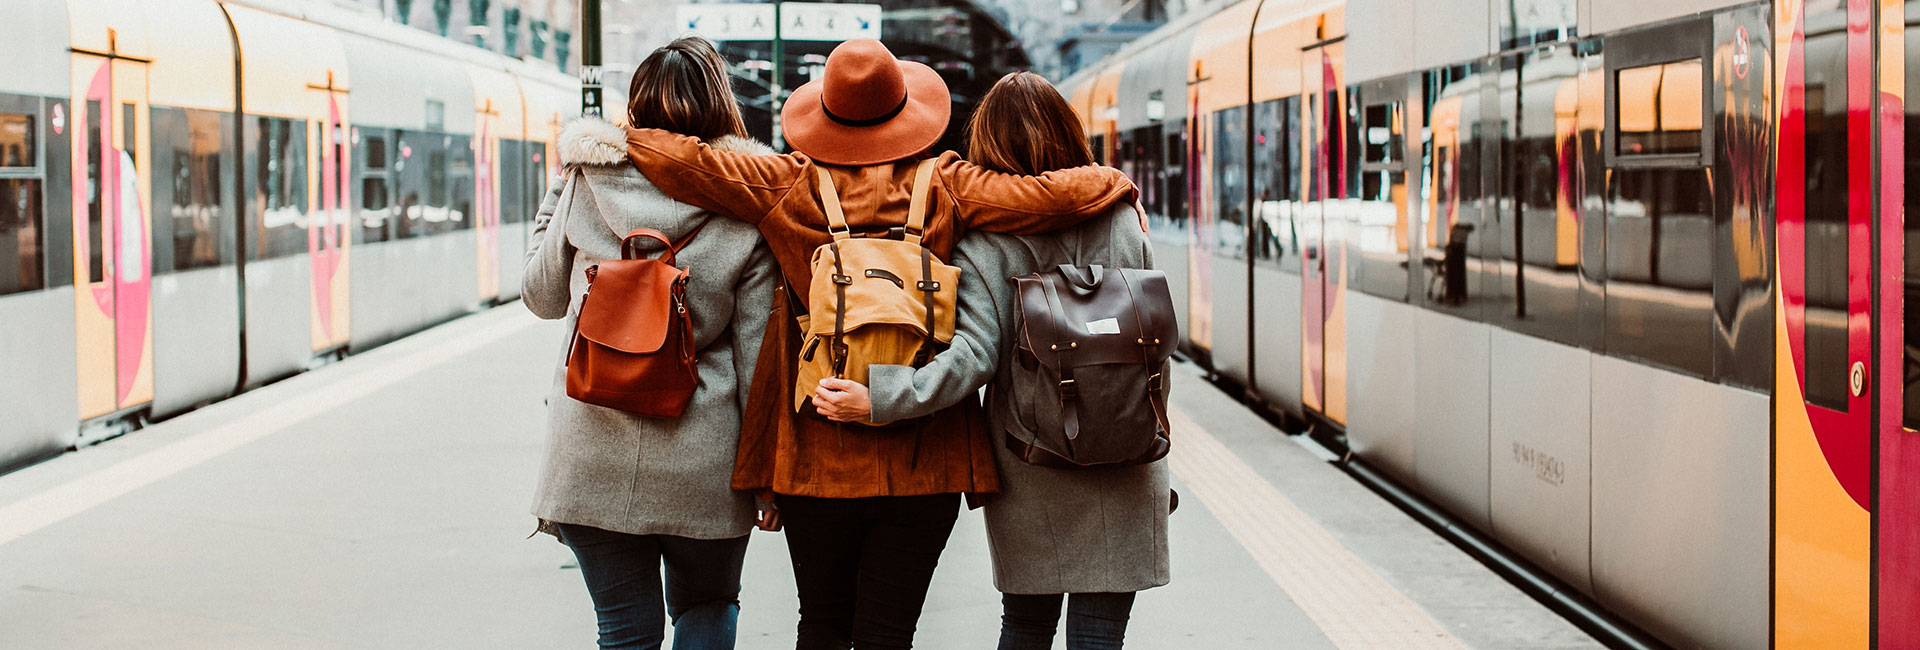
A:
x: 201, y: 197
x: 1587, y: 275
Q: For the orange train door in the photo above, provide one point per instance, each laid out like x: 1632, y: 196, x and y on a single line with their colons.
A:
x: 1323, y: 139
x: 111, y: 238
x: 1823, y: 425
x: 328, y: 245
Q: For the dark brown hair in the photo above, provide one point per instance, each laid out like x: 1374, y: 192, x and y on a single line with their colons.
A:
x: 1024, y: 126
x: 683, y: 87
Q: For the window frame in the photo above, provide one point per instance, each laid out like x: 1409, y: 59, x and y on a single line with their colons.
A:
x: 1681, y: 40
x: 35, y: 108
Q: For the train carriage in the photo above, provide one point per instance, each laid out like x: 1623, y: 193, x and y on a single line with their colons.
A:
x: 1618, y: 285
x: 199, y: 197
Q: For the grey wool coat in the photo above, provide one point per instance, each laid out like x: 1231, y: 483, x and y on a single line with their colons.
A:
x: 621, y: 472
x: 1050, y: 531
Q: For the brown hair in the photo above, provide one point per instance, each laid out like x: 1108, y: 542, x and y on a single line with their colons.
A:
x: 683, y: 87
x: 1024, y: 126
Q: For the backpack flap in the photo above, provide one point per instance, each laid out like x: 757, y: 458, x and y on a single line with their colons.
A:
x: 1122, y: 316
x: 644, y: 290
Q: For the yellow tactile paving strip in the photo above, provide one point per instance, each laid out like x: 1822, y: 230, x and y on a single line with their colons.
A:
x: 1351, y: 604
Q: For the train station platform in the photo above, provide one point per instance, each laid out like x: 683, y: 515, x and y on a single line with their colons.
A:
x: 381, y: 502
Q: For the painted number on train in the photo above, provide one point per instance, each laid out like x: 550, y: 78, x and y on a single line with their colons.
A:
x: 1545, y: 467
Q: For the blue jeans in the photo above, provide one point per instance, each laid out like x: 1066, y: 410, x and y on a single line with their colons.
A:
x: 1094, y: 621
x: 623, y: 575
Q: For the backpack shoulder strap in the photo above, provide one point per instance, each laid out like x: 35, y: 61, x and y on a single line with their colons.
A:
x: 917, y: 210
x: 674, y: 248
x: 830, y: 199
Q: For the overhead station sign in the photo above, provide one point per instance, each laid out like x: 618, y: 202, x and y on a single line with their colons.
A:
x: 799, y: 21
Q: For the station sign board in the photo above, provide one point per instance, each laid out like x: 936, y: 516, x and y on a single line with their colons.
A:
x: 800, y: 21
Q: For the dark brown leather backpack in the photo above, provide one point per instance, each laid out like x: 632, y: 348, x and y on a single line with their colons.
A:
x: 1091, y: 388
x: 633, y: 346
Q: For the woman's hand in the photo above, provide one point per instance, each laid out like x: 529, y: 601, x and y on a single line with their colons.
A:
x: 841, y: 400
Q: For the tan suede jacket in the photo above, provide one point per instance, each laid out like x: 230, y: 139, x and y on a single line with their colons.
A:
x: 804, y: 454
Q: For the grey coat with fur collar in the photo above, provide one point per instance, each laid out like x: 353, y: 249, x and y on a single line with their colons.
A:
x: 606, y: 468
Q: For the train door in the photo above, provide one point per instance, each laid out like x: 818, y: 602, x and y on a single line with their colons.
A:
x: 486, y: 200
x: 328, y: 243
x: 1824, y: 397
x: 1322, y: 340
x: 111, y: 239
x: 1898, y: 498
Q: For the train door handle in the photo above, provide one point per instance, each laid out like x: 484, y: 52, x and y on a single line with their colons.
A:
x: 1857, y: 379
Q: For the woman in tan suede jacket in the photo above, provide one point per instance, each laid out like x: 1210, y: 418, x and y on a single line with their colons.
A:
x: 867, y: 510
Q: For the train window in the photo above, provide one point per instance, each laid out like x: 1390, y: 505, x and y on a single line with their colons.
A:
x: 1537, y: 224
x: 463, y: 183
x: 1826, y: 212
x: 1911, y: 316
x: 18, y: 147
x: 1452, y: 166
x: 1658, y: 109
x: 190, y: 161
x: 513, y: 179
x: 1741, y: 128
x: 1377, y: 235
x: 21, y: 240
x: 1227, y: 195
x: 280, y: 190
x: 375, y: 218
x: 1178, y: 183
x: 1277, y: 181
x: 96, y: 237
x: 1659, y: 268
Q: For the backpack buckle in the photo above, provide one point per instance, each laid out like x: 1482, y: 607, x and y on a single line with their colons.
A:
x: 1069, y: 390
x: 1155, y: 382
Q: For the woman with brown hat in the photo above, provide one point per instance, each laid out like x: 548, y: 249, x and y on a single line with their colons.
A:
x: 867, y: 510
x: 1099, y: 534
x: 631, y: 494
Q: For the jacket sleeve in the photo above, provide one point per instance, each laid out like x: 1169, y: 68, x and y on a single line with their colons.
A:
x: 738, y: 185
x: 546, y: 286
x: 957, y: 373
x: 1032, y: 205
x: 752, y: 303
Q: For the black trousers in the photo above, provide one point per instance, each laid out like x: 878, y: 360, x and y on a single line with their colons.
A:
x: 862, y: 566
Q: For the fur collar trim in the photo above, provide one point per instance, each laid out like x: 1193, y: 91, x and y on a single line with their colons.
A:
x: 594, y: 141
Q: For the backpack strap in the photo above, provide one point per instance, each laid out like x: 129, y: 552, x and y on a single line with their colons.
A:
x: 837, y: 226
x: 916, y: 224
x: 917, y: 209
x: 1156, y: 379
x: 830, y: 199
x: 1068, y: 389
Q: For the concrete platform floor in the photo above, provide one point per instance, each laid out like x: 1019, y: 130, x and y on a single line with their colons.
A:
x: 381, y: 503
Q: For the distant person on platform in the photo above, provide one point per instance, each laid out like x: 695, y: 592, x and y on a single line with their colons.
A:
x: 1099, y: 534
x: 867, y: 510
x: 628, y: 493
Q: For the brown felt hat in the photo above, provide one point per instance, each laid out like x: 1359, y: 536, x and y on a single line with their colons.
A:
x: 868, y: 109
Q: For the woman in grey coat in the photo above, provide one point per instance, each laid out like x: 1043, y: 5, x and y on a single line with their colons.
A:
x: 628, y: 493
x: 1098, y: 534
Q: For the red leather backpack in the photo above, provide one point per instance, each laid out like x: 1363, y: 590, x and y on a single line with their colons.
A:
x: 633, y: 346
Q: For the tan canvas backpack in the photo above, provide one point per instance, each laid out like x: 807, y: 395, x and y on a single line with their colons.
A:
x: 873, y: 300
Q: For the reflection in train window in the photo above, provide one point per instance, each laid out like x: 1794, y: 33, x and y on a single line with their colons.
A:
x: 1659, y: 109
x: 1539, y: 224
x: 1660, y: 249
x: 21, y: 240
x: 1828, y: 259
x: 96, y: 237
x: 191, y: 163
x: 17, y: 142
x: 280, y: 189
x: 1177, y: 181
x: 513, y: 180
x: 1377, y: 235
x: 376, y: 216
x: 1277, y: 182
x: 1911, y: 316
x: 1227, y: 193
x: 1451, y: 170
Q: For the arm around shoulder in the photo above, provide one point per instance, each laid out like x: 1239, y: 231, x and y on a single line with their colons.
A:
x: 1032, y: 205
x: 732, y: 176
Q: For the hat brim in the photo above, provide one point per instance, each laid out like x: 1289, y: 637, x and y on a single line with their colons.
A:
x: 807, y: 127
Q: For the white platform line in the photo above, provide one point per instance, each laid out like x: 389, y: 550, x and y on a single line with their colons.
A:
x: 1350, y: 603
x: 24, y: 517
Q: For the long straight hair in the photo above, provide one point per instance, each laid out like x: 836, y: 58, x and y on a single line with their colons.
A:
x: 683, y: 87
x: 1024, y: 126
